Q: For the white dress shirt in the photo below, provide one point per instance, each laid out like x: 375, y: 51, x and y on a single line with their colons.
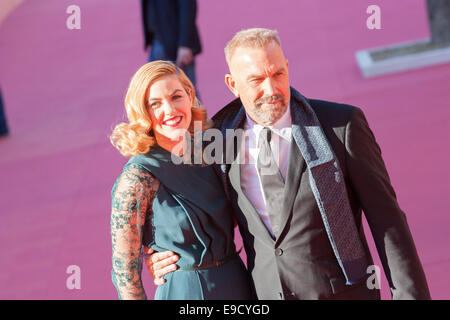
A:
x: 280, y: 145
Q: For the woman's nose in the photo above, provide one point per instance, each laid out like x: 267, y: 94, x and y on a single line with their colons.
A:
x: 167, y: 107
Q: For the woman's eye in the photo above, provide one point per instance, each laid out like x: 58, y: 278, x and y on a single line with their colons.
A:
x: 154, y: 104
x: 176, y: 97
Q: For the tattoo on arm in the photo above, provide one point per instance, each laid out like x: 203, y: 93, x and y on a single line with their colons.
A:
x: 132, y: 197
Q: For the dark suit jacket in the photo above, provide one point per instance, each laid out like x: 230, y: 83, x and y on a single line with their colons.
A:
x: 172, y: 22
x: 300, y: 263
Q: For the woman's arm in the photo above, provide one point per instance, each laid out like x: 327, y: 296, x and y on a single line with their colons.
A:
x: 132, y: 197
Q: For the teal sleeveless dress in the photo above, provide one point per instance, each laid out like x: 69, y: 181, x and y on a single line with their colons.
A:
x: 193, y: 218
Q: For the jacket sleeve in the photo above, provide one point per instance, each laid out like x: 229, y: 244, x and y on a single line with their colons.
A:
x: 145, y: 26
x: 187, y: 15
x: 370, y: 181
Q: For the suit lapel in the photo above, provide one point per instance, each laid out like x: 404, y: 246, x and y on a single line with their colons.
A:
x: 296, y: 166
x: 246, y: 206
x: 295, y: 169
x: 234, y: 175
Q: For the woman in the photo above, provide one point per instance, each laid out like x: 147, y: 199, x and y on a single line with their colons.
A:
x: 166, y: 206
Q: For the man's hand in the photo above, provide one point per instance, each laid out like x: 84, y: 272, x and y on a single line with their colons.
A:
x: 184, y: 56
x: 160, y: 263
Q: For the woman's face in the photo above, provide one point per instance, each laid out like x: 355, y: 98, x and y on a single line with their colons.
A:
x: 170, y: 109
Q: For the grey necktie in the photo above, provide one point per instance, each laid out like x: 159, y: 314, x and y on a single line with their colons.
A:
x: 271, y: 179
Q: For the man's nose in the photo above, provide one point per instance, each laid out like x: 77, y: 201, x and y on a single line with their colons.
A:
x: 269, y: 87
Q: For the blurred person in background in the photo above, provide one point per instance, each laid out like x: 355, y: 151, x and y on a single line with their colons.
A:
x: 171, y: 31
x: 3, y: 126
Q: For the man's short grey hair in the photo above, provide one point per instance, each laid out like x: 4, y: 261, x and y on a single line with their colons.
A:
x: 251, y: 38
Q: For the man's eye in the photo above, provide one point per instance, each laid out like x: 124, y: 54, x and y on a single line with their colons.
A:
x: 176, y: 97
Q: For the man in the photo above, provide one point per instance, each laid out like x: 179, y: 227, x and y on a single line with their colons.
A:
x: 170, y: 30
x: 301, y: 225
x: 3, y: 125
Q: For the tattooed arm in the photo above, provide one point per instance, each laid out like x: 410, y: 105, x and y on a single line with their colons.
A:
x: 132, y: 197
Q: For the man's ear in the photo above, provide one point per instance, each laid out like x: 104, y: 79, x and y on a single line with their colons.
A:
x: 231, y: 84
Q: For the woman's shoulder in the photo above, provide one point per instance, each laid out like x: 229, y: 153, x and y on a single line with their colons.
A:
x: 135, y: 177
x: 136, y: 170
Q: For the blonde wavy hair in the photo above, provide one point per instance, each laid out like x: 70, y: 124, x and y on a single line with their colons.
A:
x: 136, y: 136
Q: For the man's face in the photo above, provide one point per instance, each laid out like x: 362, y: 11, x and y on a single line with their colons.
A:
x: 259, y: 76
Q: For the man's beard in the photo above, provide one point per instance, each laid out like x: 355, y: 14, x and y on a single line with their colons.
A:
x: 274, y: 114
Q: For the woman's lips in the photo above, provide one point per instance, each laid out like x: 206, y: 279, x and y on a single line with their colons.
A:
x: 173, y: 122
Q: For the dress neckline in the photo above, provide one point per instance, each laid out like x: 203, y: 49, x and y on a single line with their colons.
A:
x: 165, y: 155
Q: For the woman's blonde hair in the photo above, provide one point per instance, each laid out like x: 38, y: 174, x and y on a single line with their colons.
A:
x: 136, y: 136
